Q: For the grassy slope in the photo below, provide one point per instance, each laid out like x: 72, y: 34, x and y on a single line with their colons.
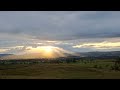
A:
x: 57, y: 71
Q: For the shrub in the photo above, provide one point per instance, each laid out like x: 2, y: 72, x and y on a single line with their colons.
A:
x: 95, y: 66
x: 106, y: 65
x: 115, y: 67
x: 100, y: 67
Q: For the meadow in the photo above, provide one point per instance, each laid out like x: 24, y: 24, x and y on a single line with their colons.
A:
x: 97, y: 69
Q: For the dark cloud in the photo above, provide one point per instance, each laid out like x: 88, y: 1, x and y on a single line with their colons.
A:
x: 28, y: 28
x: 61, y: 25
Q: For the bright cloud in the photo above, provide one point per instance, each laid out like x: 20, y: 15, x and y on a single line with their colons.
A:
x: 3, y: 50
x: 101, y: 45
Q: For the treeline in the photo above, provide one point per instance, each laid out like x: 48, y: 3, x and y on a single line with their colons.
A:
x: 35, y: 61
x: 55, y: 60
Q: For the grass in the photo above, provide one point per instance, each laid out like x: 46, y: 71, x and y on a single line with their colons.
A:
x: 59, y: 71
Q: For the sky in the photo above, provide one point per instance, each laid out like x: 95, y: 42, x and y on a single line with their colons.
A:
x: 76, y: 31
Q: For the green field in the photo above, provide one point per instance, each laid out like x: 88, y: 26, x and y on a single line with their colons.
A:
x: 101, y: 69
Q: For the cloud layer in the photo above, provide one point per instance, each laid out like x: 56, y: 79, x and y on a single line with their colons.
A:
x: 65, y: 29
x: 57, y: 25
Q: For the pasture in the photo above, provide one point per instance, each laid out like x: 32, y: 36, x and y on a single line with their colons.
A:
x: 98, y: 69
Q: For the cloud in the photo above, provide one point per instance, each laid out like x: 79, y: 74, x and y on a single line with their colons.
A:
x: 3, y: 50
x: 80, y: 45
x: 59, y: 28
x: 57, y: 25
x: 14, y: 49
x: 102, y: 45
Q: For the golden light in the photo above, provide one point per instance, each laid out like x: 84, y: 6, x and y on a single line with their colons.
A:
x: 44, y: 51
x: 47, y: 49
x: 40, y: 52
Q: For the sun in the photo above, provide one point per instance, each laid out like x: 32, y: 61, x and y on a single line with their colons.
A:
x: 44, y: 51
x: 47, y: 49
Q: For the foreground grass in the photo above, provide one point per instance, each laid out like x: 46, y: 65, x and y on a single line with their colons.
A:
x: 58, y: 71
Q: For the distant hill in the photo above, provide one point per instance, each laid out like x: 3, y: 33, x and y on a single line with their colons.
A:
x: 1, y: 55
x: 27, y: 56
x: 34, y: 56
x: 69, y: 55
x: 99, y: 54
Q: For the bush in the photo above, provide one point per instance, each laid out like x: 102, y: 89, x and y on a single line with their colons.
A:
x: 115, y: 67
x: 107, y: 65
x: 100, y: 67
x: 95, y: 66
